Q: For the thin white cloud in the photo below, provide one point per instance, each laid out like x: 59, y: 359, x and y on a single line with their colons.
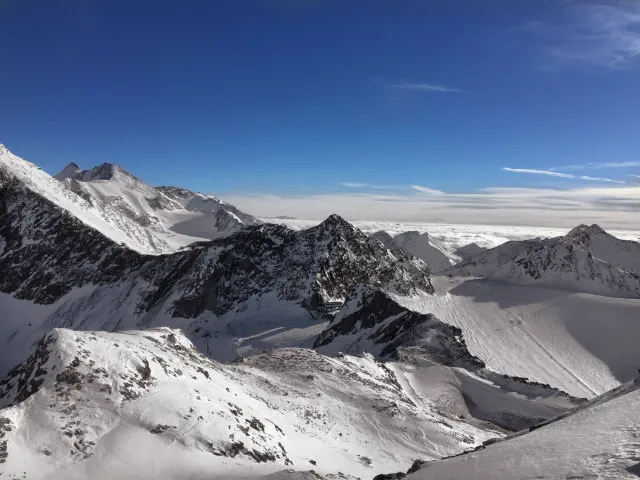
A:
x: 552, y: 173
x: 538, y: 172
x: 430, y: 191
x: 637, y: 176
x: 600, y: 179
x: 353, y: 184
x: 425, y: 87
x: 597, y: 166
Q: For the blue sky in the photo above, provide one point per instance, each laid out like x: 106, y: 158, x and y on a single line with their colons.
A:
x: 268, y: 102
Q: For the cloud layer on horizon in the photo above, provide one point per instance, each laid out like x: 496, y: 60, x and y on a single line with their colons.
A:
x: 611, y: 207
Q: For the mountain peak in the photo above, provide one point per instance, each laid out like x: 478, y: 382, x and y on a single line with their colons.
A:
x: 335, y: 220
x: 70, y: 171
x: 105, y: 171
x: 584, y: 229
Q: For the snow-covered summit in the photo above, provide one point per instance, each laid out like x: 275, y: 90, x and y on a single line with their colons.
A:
x: 421, y: 245
x: 123, y: 207
x: 70, y: 171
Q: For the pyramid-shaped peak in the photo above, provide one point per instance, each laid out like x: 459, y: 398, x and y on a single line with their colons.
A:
x: 70, y: 171
x: 336, y: 224
x: 336, y: 220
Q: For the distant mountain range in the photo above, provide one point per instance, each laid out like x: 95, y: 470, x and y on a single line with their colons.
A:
x: 587, y: 259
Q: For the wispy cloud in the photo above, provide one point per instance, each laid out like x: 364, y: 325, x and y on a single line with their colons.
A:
x: 553, y: 173
x: 603, y: 34
x: 424, y: 87
x: 538, y: 172
x: 597, y: 166
x: 353, y: 184
x: 427, y: 190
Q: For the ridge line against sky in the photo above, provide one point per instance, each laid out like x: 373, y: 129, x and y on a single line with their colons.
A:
x: 474, y: 112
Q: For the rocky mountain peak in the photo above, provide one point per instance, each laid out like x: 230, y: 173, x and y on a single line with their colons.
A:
x: 105, y: 171
x: 582, y: 234
x: 583, y: 229
x: 335, y: 221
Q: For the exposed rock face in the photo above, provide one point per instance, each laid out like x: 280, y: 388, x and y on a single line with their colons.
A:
x: 388, y: 242
x: 311, y: 267
x: 372, y: 321
x: 587, y: 259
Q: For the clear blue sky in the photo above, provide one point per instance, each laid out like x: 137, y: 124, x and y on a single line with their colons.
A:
x: 294, y: 96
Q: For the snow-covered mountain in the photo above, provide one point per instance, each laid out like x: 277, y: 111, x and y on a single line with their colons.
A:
x: 597, y: 440
x: 587, y: 259
x: 426, y: 248
x: 172, y: 216
x: 263, y: 277
x: 422, y: 246
x: 120, y: 206
x: 467, y: 251
x: 104, y: 404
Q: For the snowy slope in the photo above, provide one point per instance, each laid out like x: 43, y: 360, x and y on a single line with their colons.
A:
x: 580, y: 343
x: 173, y: 217
x: 420, y: 245
x: 120, y: 206
x: 587, y: 259
x: 101, y: 405
x: 24, y: 185
x: 598, y: 440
